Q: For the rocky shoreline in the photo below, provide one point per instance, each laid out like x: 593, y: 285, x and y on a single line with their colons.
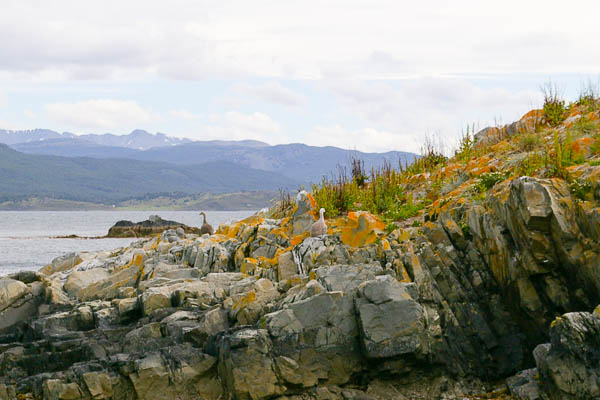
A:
x: 495, y: 300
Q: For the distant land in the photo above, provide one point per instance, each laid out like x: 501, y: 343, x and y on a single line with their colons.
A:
x: 253, y: 200
x: 108, y: 181
x: 46, y: 169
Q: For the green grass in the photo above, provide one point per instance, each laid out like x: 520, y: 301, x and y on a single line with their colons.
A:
x: 381, y: 192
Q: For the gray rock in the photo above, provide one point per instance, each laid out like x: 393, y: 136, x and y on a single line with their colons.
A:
x: 570, y: 366
x: 391, y: 322
x: 246, y: 366
x: 524, y: 385
x: 346, y: 278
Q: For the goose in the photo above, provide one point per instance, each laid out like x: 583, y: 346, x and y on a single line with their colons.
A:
x: 319, y: 228
x: 206, y: 228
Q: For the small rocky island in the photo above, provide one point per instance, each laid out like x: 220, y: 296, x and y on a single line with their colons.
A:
x: 154, y: 225
x: 491, y: 294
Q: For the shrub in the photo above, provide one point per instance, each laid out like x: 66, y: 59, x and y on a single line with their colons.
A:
x: 588, y: 95
x: 487, y: 180
x: 432, y: 156
x: 580, y: 189
x: 382, y: 194
x: 465, y: 145
x: 529, y: 141
x: 554, y: 106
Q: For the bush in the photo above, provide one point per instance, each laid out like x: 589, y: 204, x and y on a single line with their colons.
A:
x: 487, y: 180
x: 465, y: 145
x: 382, y: 193
x: 529, y: 141
x: 580, y: 189
x: 554, y: 106
x: 588, y: 96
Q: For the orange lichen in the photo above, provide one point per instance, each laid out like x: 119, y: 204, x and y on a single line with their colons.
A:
x: 232, y: 231
x: 358, y: 229
x: 582, y: 145
x: 313, y: 203
x: 533, y: 114
x: 296, y: 240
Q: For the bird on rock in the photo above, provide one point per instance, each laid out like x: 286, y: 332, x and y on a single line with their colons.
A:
x: 206, y: 228
x: 319, y: 228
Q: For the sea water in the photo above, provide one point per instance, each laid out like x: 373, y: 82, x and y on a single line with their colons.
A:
x: 28, y: 238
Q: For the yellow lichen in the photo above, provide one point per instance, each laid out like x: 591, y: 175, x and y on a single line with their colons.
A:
x: 245, y: 300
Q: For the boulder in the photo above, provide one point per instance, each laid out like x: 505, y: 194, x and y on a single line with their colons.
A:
x: 56, y: 389
x: 320, y: 251
x: 99, y: 384
x: 62, y: 263
x: 246, y: 366
x: 79, y: 280
x: 11, y: 291
x: 391, y: 322
x: 570, y: 365
x: 17, y: 303
x: 155, y: 298
x: 320, y: 334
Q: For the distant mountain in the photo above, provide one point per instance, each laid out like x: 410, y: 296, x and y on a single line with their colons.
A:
x: 112, y: 180
x: 297, y: 161
x: 74, y: 147
x: 33, y: 135
x: 137, y: 139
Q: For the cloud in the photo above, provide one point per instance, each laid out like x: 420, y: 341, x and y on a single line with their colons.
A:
x: 99, y: 114
x: 428, y: 106
x: 3, y: 100
x: 234, y: 125
x: 276, y: 93
x: 193, y: 40
x: 185, y: 115
x: 365, y: 139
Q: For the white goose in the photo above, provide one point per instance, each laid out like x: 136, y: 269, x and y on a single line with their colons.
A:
x: 319, y: 228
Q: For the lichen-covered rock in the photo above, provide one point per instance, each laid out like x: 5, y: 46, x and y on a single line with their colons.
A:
x: 79, y: 280
x: 62, y: 263
x: 155, y: 298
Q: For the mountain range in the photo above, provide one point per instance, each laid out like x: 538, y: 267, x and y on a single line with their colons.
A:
x: 137, y: 139
x: 109, y: 168
x: 113, y: 180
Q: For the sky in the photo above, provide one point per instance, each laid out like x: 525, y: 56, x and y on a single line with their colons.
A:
x: 367, y: 75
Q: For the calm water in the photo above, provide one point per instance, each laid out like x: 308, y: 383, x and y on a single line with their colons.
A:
x: 26, y: 236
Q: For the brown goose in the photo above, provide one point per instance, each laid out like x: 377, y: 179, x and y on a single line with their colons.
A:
x: 206, y: 228
x: 319, y: 228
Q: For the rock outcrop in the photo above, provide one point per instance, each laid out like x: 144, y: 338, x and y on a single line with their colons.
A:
x: 154, y: 225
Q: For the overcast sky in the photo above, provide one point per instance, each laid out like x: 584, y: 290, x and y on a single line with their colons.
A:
x: 367, y: 75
